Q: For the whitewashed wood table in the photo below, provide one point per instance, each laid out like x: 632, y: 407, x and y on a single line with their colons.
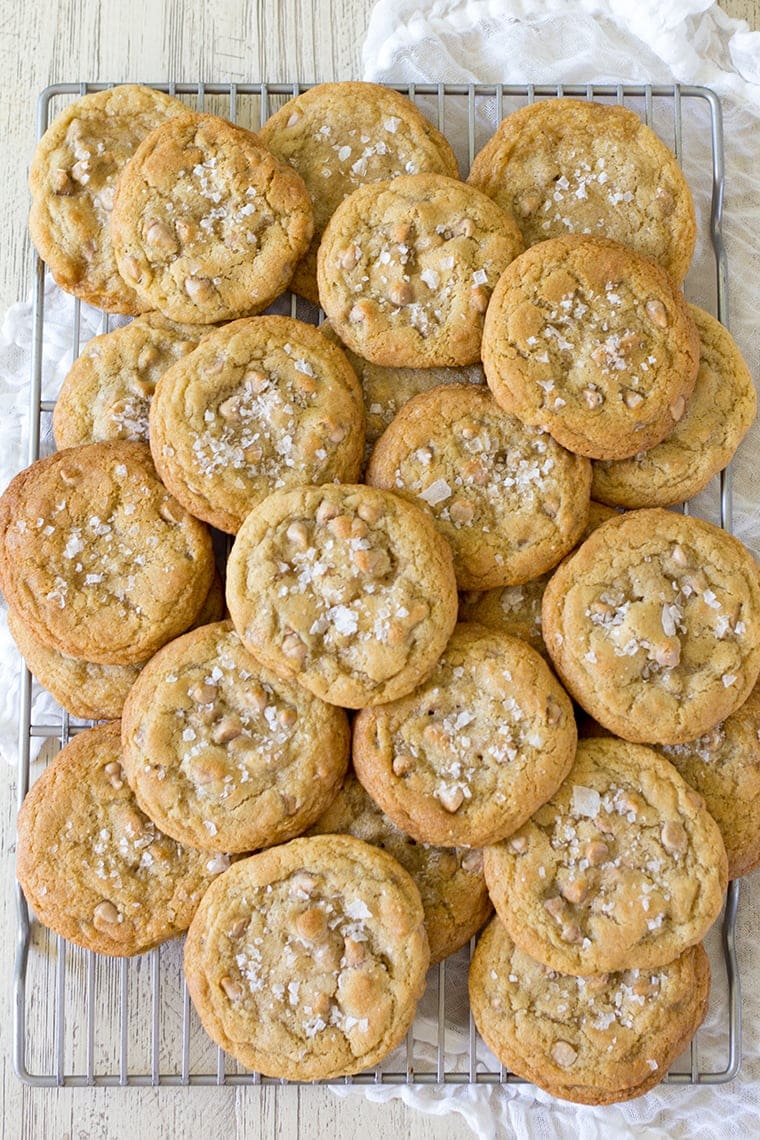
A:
x: 46, y: 41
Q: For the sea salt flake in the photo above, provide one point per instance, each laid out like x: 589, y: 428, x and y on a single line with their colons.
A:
x: 437, y: 492
x: 585, y: 801
x: 480, y: 277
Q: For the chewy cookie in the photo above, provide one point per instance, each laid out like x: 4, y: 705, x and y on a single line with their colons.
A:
x: 509, y: 500
x: 263, y: 404
x: 562, y: 165
x: 92, y: 866
x: 307, y: 961
x: 406, y: 269
x: 346, y: 589
x: 719, y: 414
x: 450, y: 879
x: 222, y: 754
x: 72, y: 179
x: 654, y: 625
x: 99, y: 561
x: 339, y: 136
x: 107, y: 392
x: 621, y: 868
x: 207, y: 224
x: 593, y: 1040
x: 468, y: 756
x: 593, y: 343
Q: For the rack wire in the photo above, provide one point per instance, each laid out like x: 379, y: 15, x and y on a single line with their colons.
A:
x: 105, y: 1021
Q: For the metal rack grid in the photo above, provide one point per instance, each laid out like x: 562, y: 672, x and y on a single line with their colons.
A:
x: 105, y: 1021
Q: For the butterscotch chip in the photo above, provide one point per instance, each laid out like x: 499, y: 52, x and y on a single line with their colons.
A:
x: 593, y: 343
x: 263, y: 404
x: 72, y: 179
x: 217, y: 769
x: 99, y: 561
x: 592, y: 1040
x: 566, y: 166
x: 717, y: 417
x: 339, y: 136
x: 509, y: 500
x: 427, y: 251
x: 346, y: 589
x: 93, y: 867
x: 307, y: 960
x: 657, y: 890
x: 654, y: 625
x: 490, y: 735
x: 207, y: 224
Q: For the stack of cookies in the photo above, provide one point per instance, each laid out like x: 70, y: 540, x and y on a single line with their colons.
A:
x: 411, y: 544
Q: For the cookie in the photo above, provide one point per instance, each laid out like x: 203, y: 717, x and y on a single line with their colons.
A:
x: 450, y: 879
x: 107, y: 392
x: 593, y: 343
x: 339, y: 136
x: 622, y: 868
x: 566, y: 166
x: 509, y: 500
x: 83, y: 688
x: 306, y: 961
x: 654, y: 625
x: 207, y: 224
x: 346, y: 589
x: 72, y: 179
x: 468, y: 756
x: 594, y: 1040
x: 719, y: 414
x: 93, y: 867
x: 261, y: 405
x: 406, y: 269
x: 97, y: 558
x: 223, y: 755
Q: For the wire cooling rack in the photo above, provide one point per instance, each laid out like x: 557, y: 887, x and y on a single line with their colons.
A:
x: 84, y: 1019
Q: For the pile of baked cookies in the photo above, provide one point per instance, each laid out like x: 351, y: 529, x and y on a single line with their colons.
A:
x: 419, y: 580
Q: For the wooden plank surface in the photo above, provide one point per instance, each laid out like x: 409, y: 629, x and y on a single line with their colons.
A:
x: 44, y: 41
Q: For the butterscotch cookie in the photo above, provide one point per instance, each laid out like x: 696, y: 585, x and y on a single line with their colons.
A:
x: 261, y: 405
x: 468, y: 756
x: 84, y: 688
x: 719, y: 414
x: 592, y: 1040
x: 92, y: 866
x: 223, y: 755
x: 207, y: 224
x: 346, y: 589
x: 97, y: 558
x: 450, y: 879
x: 72, y: 179
x: 341, y: 135
x: 107, y: 392
x: 654, y: 625
x: 593, y: 343
x: 622, y: 868
x: 406, y: 269
x: 509, y: 500
x: 562, y: 165
x: 306, y: 961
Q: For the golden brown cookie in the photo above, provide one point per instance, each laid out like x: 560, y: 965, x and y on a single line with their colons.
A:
x: 406, y: 269
x: 72, y: 179
x: 263, y: 404
x: 509, y: 500
x: 592, y: 342
x: 622, y: 868
x: 307, y: 960
x: 654, y: 625
x: 92, y: 866
x: 566, y: 166
x: 341, y: 135
x: 207, y: 224
x: 346, y: 589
